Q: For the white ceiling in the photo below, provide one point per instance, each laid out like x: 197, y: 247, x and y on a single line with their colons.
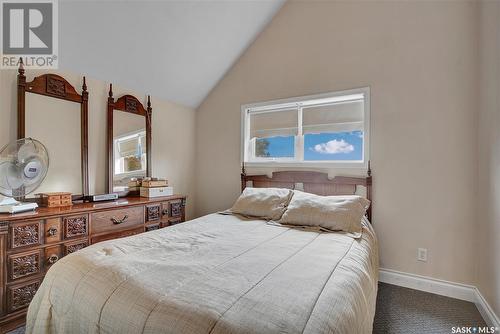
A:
x: 175, y: 50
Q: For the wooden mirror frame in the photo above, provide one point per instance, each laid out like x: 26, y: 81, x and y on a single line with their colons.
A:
x: 55, y: 86
x: 127, y: 103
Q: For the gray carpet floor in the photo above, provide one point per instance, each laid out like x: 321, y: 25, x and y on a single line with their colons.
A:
x: 402, y: 310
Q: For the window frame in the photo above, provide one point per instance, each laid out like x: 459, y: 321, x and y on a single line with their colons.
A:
x: 138, y: 172
x: 299, y: 139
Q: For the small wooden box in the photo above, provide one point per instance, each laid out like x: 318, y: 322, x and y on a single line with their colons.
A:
x: 54, y: 200
x: 154, y: 183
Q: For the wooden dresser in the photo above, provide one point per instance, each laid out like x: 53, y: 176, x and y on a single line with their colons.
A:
x: 31, y: 242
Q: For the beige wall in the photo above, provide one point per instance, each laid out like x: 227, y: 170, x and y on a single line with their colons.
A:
x: 65, y: 173
x: 173, y: 132
x: 419, y: 58
x: 489, y: 155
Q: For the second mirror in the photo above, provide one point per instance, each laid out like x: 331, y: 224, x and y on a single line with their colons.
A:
x: 129, y: 141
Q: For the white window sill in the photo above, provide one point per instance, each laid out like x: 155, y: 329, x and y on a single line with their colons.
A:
x: 306, y: 164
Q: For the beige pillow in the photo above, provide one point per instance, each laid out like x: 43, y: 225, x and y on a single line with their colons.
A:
x: 269, y: 203
x: 335, y: 213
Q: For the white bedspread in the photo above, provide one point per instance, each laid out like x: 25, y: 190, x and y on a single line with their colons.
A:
x: 214, y: 274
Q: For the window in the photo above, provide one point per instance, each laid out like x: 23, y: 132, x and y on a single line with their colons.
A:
x: 326, y: 129
x: 130, y: 153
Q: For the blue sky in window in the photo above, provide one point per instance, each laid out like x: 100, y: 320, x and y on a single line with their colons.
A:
x: 346, y: 146
x: 280, y: 147
x: 334, y: 146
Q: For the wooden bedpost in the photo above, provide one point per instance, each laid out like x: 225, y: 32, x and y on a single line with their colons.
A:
x: 243, y: 177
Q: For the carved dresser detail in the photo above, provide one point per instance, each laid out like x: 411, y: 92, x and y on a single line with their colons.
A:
x: 25, y: 234
x: 71, y: 248
x: 31, y: 242
x: 20, y: 296
x: 75, y: 226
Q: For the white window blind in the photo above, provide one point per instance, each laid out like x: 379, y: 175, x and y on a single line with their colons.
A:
x: 336, y: 117
x: 331, y: 128
x: 271, y: 123
x: 131, y: 146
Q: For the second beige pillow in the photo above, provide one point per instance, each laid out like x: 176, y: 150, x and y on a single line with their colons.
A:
x: 335, y: 213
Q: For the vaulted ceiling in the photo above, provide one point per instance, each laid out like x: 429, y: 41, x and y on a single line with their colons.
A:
x: 175, y: 50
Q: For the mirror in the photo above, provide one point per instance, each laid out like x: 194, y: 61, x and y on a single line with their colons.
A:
x: 50, y: 110
x: 129, y: 148
x: 53, y: 122
x: 129, y: 142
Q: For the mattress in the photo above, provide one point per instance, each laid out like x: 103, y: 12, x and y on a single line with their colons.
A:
x: 215, y: 274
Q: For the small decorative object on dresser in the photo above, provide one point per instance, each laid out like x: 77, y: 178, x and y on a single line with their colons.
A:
x: 31, y: 242
x: 134, y: 185
x: 55, y: 199
x: 156, y: 191
x: 154, y: 182
x: 155, y: 187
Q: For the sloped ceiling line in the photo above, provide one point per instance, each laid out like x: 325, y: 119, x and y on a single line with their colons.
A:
x: 174, y: 50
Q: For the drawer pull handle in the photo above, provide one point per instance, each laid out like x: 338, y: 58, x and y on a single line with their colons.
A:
x: 53, y: 259
x: 164, y: 212
x: 52, y: 231
x: 119, y: 221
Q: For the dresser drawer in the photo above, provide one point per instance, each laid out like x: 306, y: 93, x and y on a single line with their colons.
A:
x: 71, y: 247
x: 19, y: 296
x: 153, y: 212
x: 165, y: 209
x: 52, y: 255
x: 175, y: 208
x: 25, y: 234
x: 117, y: 235
x: 115, y: 220
x: 24, y: 264
x: 76, y: 226
x: 152, y: 227
x: 175, y: 221
x: 52, y: 230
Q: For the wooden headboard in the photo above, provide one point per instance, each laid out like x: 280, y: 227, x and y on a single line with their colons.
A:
x: 313, y: 182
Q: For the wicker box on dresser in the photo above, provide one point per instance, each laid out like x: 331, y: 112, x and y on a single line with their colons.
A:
x: 31, y: 242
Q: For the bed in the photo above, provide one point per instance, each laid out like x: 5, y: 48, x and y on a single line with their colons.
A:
x: 218, y: 274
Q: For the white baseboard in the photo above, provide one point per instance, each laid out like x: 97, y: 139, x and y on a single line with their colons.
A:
x: 428, y: 284
x: 486, y: 311
x: 441, y: 287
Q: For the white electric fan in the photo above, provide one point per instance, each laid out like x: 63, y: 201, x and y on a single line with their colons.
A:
x: 23, y: 166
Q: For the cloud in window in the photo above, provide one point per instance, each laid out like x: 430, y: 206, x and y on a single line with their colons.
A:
x: 333, y: 147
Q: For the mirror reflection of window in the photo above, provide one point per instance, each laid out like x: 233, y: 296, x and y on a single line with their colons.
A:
x: 130, y: 149
x: 130, y: 153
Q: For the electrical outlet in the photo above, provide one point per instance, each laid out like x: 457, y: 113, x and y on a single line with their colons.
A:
x: 422, y: 254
